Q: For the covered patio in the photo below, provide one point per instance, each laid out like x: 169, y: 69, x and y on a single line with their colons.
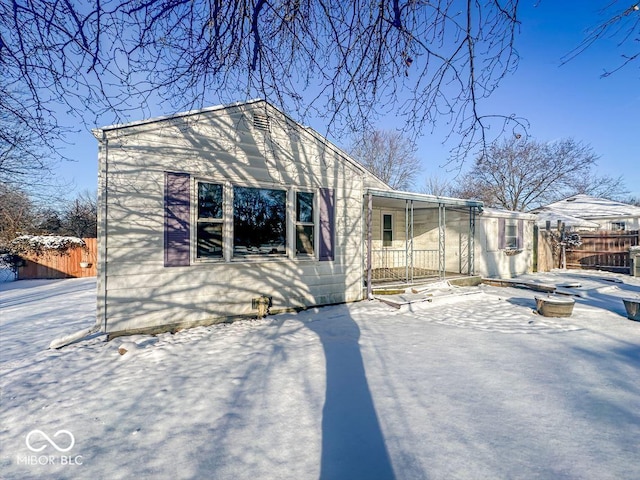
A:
x: 410, y: 237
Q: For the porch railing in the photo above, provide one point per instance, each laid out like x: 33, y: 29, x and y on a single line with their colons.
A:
x: 388, y: 265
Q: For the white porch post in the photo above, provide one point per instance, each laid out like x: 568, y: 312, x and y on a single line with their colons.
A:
x: 369, y: 245
x: 406, y: 241
x: 411, y: 247
x: 472, y: 239
x: 441, y: 240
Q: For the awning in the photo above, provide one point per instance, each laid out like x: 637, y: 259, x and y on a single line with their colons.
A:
x: 396, y: 195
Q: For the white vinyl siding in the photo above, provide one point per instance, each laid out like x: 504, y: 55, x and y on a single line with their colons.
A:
x: 219, y: 147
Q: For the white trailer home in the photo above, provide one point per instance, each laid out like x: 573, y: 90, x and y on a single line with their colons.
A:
x: 205, y: 215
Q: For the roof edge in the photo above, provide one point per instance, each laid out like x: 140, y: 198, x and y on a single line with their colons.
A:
x: 172, y: 116
x: 423, y: 197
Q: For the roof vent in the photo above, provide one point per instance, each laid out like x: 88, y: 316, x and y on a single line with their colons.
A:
x: 261, y: 121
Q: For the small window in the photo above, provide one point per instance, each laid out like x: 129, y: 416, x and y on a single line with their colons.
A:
x: 304, y: 223
x: 387, y: 230
x: 618, y: 226
x: 209, y: 228
x: 259, y: 221
x: 511, y: 234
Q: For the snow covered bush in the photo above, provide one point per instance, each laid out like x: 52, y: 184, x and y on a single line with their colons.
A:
x: 8, y: 267
x: 572, y: 240
x: 39, y: 244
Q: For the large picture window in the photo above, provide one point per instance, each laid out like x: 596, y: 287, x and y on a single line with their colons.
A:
x: 209, y: 219
x: 304, y: 223
x: 259, y: 221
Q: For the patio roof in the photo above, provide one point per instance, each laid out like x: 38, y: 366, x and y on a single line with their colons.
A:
x: 394, y: 197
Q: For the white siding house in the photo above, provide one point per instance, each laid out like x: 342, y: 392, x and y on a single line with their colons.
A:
x: 584, y: 212
x: 202, y: 213
x: 203, y: 216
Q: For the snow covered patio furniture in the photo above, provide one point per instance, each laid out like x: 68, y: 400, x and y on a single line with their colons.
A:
x: 551, y: 306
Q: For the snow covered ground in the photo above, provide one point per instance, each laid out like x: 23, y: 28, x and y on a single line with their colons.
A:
x: 474, y: 385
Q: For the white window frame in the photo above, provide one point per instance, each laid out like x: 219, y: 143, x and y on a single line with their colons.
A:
x: 510, y: 222
x: 227, y: 222
x: 195, y: 221
x: 313, y: 223
x: 288, y: 224
x: 382, y: 229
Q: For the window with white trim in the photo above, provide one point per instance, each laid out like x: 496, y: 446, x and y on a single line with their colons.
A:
x: 305, y: 224
x: 511, y: 234
x: 387, y: 229
x: 208, y: 221
x: 259, y: 221
x: 209, y: 230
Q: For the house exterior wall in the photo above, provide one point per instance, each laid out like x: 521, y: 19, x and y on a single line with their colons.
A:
x: 137, y: 292
x: 492, y: 257
x: 630, y: 223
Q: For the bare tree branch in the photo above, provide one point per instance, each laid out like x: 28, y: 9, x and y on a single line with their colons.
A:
x: 390, y: 156
x: 521, y: 174
x: 427, y: 62
x: 622, y: 24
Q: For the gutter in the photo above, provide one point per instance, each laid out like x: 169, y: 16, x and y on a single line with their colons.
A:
x: 421, y: 197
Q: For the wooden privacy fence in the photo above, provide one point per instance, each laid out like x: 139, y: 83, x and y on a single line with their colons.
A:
x: 544, y: 257
x: 75, y: 262
x: 605, y: 250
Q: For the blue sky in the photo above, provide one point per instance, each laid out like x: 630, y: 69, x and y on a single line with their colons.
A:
x: 571, y: 100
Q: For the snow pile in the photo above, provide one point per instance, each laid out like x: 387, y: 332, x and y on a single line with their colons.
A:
x: 468, y: 386
x: 42, y: 243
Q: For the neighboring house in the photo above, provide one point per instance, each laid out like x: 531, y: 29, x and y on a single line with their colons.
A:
x: 206, y: 215
x: 604, y: 229
x: 586, y: 213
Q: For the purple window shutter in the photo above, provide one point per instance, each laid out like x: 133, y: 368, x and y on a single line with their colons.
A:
x: 327, y: 221
x: 177, y: 229
x: 520, y: 233
x: 501, y: 229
